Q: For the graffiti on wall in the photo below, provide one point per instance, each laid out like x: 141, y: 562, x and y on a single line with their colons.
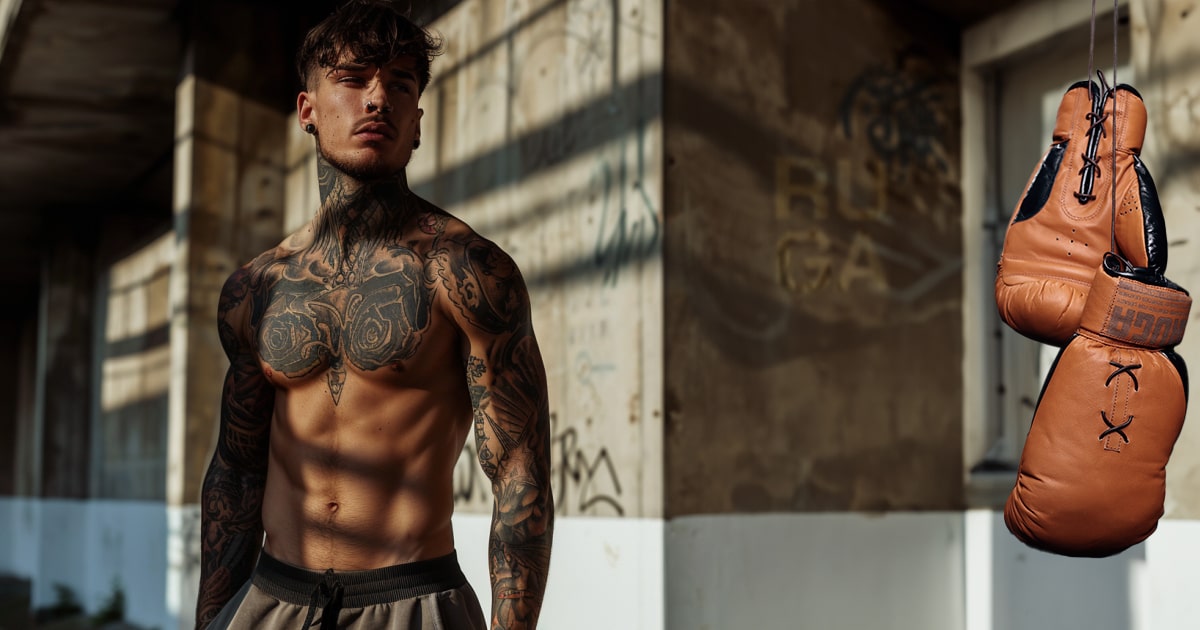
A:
x: 902, y: 116
x: 628, y: 228
x: 580, y: 132
x: 585, y: 478
x: 879, y: 217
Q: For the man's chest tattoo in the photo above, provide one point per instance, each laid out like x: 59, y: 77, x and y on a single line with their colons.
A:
x: 371, y: 312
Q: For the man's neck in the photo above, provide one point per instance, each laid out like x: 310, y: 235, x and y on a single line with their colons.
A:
x: 353, y: 210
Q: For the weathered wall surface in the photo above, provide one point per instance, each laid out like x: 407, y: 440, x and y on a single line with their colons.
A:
x: 65, y: 369
x: 132, y: 367
x: 230, y: 175
x: 10, y: 395
x: 813, y: 297
x: 542, y: 130
x: 1166, y: 53
x: 228, y: 208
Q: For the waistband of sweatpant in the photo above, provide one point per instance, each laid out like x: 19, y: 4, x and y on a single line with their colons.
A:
x: 294, y: 585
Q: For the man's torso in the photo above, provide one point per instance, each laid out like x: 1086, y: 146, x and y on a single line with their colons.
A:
x: 371, y: 404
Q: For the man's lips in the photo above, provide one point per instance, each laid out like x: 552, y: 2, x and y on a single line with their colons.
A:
x: 376, y: 131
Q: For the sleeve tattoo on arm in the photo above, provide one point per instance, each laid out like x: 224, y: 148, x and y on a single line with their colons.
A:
x: 507, y: 384
x: 231, y: 500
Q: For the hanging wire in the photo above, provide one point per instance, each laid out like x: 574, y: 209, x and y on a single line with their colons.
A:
x: 1113, y: 175
x: 1092, y: 50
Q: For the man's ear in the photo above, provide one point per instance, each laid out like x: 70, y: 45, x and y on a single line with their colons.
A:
x: 417, y: 134
x: 304, y: 110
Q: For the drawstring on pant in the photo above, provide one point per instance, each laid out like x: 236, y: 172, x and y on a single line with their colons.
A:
x: 328, y: 597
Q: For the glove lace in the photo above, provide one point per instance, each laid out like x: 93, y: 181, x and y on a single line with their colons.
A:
x: 1123, y: 369
x: 1118, y: 429
x: 1097, y: 117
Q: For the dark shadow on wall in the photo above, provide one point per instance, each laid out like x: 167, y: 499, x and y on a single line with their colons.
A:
x: 252, y: 44
x: 12, y: 321
x: 242, y: 37
x: 132, y: 365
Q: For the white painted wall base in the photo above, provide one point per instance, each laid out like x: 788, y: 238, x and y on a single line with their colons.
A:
x: 917, y: 571
x: 1150, y: 586
x: 815, y: 571
x: 86, y: 546
x: 606, y: 573
x: 898, y: 571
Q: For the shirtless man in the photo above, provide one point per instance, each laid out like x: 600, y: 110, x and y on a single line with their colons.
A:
x: 363, y: 349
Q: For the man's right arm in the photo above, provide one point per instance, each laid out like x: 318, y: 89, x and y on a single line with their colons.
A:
x: 231, y: 500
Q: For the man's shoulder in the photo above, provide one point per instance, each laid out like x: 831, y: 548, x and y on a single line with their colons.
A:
x: 456, y: 238
x: 255, y: 276
x: 480, y: 279
x: 245, y: 279
x: 440, y: 224
x: 261, y: 267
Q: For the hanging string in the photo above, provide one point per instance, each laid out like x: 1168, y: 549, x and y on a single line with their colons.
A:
x: 1104, y: 90
x: 1113, y: 174
x: 1092, y: 51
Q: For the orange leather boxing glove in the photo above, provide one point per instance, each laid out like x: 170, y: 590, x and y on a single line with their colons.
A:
x: 1063, y: 224
x: 1092, y: 478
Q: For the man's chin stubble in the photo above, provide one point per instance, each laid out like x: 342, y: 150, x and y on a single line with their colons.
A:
x: 374, y: 171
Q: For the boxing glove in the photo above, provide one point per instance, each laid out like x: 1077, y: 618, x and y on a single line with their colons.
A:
x: 1092, y: 477
x: 1063, y: 224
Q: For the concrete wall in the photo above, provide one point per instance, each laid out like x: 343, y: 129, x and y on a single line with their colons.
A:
x: 10, y: 394
x: 228, y: 205
x: 229, y: 182
x: 64, y: 367
x: 816, y: 571
x: 923, y: 571
x: 813, y: 304
x: 1166, y: 43
x: 542, y: 130
x: 813, y: 342
x: 132, y: 369
x: 90, y: 547
x: 808, y: 239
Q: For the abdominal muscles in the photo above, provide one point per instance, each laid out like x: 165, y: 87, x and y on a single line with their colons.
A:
x: 365, y: 483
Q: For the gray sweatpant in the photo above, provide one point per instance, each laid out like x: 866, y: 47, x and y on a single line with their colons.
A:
x: 426, y: 595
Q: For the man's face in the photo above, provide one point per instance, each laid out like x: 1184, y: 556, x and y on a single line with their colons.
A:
x: 366, y: 116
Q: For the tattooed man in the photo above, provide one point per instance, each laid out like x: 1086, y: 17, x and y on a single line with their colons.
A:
x: 363, y: 350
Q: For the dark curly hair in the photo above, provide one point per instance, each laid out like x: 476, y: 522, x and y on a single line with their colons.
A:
x: 371, y: 31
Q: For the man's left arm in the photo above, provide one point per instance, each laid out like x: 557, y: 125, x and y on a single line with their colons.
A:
x: 507, y: 383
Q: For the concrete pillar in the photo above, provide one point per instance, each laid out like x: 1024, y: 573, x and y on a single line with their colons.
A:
x: 228, y: 208
x: 10, y: 371
x: 813, y: 257
x: 27, y: 434
x: 813, y: 344
x: 1166, y: 46
x: 228, y: 205
x: 65, y: 369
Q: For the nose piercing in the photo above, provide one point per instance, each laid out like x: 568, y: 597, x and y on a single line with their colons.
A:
x: 371, y: 107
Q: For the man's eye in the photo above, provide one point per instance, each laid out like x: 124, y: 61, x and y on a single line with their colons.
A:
x: 403, y: 87
x: 350, y: 80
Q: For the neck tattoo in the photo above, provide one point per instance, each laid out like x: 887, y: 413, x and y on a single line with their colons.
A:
x: 357, y: 213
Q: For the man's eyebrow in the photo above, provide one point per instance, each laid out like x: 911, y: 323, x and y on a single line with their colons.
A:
x: 348, y: 67
x: 404, y: 74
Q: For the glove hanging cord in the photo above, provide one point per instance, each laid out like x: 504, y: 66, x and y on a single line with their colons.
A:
x: 1097, y: 117
x: 1098, y: 95
x: 1113, y: 232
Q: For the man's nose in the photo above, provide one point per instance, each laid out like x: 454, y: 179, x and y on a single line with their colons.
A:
x: 377, y: 98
